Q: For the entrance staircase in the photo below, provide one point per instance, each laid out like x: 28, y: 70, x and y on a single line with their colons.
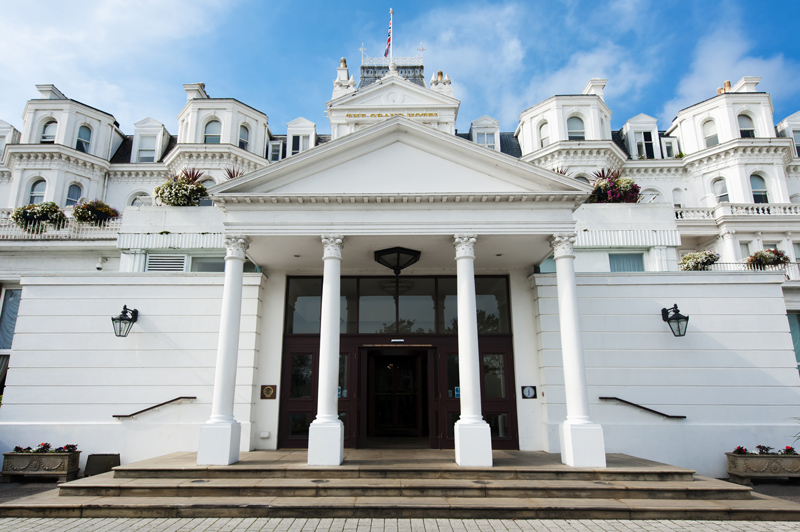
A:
x: 403, y: 483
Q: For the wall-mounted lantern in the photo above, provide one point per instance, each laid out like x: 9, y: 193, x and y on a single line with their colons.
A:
x: 677, y: 322
x: 123, y: 323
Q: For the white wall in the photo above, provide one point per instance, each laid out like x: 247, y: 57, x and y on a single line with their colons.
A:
x: 68, y: 374
x: 733, y: 375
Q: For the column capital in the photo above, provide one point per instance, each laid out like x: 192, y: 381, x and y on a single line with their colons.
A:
x: 236, y: 246
x: 727, y: 233
x: 333, y: 245
x: 562, y: 244
x: 465, y: 245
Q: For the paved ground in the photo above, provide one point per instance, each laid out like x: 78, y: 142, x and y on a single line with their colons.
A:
x: 382, y: 525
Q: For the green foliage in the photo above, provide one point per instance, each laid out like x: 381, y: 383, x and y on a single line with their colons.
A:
x: 94, y: 212
x: 35, y: 217
x: 182, y: 190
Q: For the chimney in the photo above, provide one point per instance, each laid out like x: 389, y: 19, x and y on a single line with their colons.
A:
x: 727, y: 85
x: 720, y: 90
x: 439, y: 75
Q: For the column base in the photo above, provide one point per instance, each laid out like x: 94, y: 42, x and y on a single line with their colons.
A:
x: 326, y: 443
x: 219, y: 443
x: 582, y: 445
x: 473, y: 444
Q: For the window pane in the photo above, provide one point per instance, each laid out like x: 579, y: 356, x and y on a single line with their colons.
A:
x: 147, y: 156
x: 208, y: 264
x: 376, y: 306
x: 303, y: 302
x: 73, y: 194
x: 298, y: 424
x: 448, y: 306
x: 452, y: 375
x: 492, y: 303
x: 304, y: 142
x: 417, y: 305
x: 494, y: 377
x: 498, y: 424
x: 301, y: 376
x: 626, y: 262
x: 147, y: 142
x: 348, y: 306
x: 8, y: 318
x: 794, y: 327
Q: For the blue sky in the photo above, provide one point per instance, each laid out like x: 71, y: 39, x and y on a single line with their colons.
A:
x: 131, y: 58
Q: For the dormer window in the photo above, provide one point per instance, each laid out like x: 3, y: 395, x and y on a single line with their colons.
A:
x: 49, y: 133
x: 544, y: 135
x: 213, y: 132
x: 84, y: 139
x: 244, y: 137
x: 746, y: 128
x: 669, y: 150
x: 275, y: 149
x: 147, y: 149
x: 644, y: 145
x: 759, y: 188
x: 575, y: 129
x: 710, y: 134
x: 299, y: 143
x: 73, y: 195
x: 485, y: 139
x: 37, y: 191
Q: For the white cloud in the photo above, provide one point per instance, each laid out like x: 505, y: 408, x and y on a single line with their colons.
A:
x: 106, y: 54
x: 723, y: 55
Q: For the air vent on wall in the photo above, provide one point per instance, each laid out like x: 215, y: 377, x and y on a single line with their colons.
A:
x: 166, y: 263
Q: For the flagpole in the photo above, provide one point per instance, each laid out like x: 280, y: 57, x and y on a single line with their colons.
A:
x: 391, y: 42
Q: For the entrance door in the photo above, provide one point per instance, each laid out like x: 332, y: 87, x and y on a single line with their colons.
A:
x: 396, y: 400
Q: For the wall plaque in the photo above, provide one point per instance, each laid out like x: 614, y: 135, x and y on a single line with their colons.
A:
x: 529, y: 392
x: 269, y: 391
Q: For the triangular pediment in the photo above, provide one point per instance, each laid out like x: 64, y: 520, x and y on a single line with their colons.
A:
x: 642, y: 118
x: 399, y: 156
x: 301, y: 122
x: 485, y: 121
x: 392, y: 91
x: 147, y: 123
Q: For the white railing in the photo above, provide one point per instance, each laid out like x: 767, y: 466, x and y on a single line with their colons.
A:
x: 694, y: 213
x: 71, y: 230
x: 761, y: 209
x: 384, y: 61
x: 791, y: 270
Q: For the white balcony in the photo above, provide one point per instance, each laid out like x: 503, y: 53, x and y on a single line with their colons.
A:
x: 72, y: 230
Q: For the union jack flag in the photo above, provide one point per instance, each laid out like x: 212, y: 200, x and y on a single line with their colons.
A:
x: 388, y: 40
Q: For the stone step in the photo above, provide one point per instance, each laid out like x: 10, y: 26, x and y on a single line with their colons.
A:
x: 108, y: 485
x: 50, y: 505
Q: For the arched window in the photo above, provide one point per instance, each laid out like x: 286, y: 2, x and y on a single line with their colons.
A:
x: 746, y: 128
x: 677, y: 197
x: 244, y: 137
x: 212, y: 132
x: 544, y: 135
x: 73, y: 194
x: 37, y: 191
x: 49, y: 132
x: 208, y: 183
x: 649, y: 195
x: 710, y: 133
x: 84, y: 139
x: 575, y: 129
x: 759, y: 188
x: 720, y: 190
x: 582, y: 179
x: 141, y: 199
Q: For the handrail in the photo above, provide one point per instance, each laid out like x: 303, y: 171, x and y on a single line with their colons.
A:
x: 155, y: 406
x: 642, y: 407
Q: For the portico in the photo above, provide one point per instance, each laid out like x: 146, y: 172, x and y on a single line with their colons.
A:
x: 479, y: 212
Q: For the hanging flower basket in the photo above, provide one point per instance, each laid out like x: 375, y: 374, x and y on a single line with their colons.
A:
x: 698, y: 261
x: 182, y: 190
x: 34, y: 218
x: 768, y: 257
x: 611, y: 187
x: 94, y: 212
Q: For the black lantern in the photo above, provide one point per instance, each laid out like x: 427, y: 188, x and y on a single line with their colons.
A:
x: 676, y: 321
x: 397, y: 259
x: 123, y: 323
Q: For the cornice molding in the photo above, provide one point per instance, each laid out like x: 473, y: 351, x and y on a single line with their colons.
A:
x: 577, y: 153
x: 54, y: 157
x: 212, y: 156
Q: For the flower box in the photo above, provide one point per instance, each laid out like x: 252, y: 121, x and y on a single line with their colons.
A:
x: 744, y: 467
x: 62, y: 463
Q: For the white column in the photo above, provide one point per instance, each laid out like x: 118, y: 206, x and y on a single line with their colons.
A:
x: 326, y: 434
x: 221, y: 434
x: 729, y: 249
x: 582, y: 442
x: 473, y: 435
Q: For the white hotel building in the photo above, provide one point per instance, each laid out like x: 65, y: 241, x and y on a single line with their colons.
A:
x: 530, y: 321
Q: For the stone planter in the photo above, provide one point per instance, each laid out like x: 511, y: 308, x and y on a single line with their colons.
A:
x: 63, y: 466
x: 744, y: 467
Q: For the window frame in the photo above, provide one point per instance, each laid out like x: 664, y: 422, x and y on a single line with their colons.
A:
x: 210, y: 136
x: 303, y: 143
x: 136, y: 196
x: 796, y: 137
x: 759, y: 195
x: 142, y: 148
x: 712, y: 138
x: 639, y: 254
x: 271, y: 146
x: 544, y: 141
x: 44, y: 136
x: 31, y: 195
x: 722, y: 192
x: 244, y: 140
x: 71, y: 199
x: 81, y: 144
x: 751, y: 131
x: 574, y: 132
